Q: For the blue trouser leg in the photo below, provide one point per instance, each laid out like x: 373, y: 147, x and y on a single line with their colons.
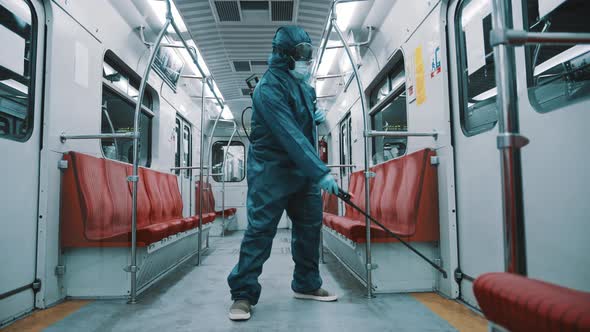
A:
x: 264, y: 213
x: 305, y: 210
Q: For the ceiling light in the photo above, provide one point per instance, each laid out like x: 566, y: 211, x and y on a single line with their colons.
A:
x: 159, y: 9
x: 227, y: 114
x: 346, y: 12
x: 327, y: 61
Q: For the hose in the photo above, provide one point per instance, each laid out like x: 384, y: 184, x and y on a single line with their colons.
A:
x: 244, y: 125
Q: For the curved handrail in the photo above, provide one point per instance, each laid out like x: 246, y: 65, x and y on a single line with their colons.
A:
x: 135, y: 178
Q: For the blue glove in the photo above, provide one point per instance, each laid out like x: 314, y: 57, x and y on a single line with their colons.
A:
x: 328, y: 183
x: 319, y: 116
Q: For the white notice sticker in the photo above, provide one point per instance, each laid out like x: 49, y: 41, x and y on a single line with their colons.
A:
x: 13, y: 57
x: 547, y: 6
x: 474, y: 45
x: 81, y: 64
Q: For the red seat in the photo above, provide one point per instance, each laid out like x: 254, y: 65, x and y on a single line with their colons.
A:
x: 330, y: 203
x: 520, y: 304
x: 96, y: 204
x: 209, y: 202
x: 404, y: 198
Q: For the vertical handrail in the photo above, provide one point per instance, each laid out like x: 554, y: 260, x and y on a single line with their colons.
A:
x: 509, y: 143
x: 105, y: 110
x: 224, y: 171
x: 201, y: 165
x: 332, y: 24
x: 210, y: 145
x: 321, y: 249
x: 368, y: 265
x: 135, y: 178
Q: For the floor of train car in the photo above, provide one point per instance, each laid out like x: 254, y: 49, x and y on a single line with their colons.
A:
x: 197, y: 298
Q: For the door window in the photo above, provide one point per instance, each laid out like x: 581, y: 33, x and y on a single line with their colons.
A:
x: 345, y: 145
x: 234, y: 170
x: 558, y: 75
x: 186, y: 149
x: 17, y: 69
x: 177, y: 146
x: 477, y: 82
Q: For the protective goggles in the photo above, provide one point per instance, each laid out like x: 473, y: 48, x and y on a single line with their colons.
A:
x: 303, y: 52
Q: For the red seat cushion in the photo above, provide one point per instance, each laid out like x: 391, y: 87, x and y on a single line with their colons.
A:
x: 521, y: 304
x: 153, y: 233
x: 227, y: 212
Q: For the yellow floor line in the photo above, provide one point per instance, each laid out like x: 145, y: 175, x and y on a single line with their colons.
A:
x: 42, y: 319
x: 456, y: 314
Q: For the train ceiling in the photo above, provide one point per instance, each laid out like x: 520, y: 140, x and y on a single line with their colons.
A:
x: 234, y: 36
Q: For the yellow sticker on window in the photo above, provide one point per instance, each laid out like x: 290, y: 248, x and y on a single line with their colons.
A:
x: 419, y: 76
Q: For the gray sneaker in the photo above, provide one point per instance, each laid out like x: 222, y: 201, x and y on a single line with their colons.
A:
x: 240, y: 310
x: 317, y: 295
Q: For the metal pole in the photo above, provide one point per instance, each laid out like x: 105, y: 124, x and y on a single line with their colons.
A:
x: 106, y: 114
x: 224, y: 171
x: 509, y: 143
x: 321, y: 249
x: 135, y: 178
x: 341, y: 166
x: 369, y: 266
x: 201, y: 167
x: 375, y: 133
x: 130, y: 135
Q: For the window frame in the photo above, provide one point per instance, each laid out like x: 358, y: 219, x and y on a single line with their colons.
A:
x: 224, y: 143
x: 396, y: 65
x: 530, y: 71
x: 32, y: 92
x: 345, y: 122
x: 187, y: 128
x: 463, y: 78
x: 177, y: 157
x: 111, y: 58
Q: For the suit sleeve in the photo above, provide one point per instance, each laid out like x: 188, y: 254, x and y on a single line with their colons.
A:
x: 279, y: 117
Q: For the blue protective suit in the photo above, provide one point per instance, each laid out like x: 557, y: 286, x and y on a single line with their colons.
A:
x: 283, y: 172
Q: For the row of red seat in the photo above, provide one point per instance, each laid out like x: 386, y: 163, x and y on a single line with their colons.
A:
x: 96, y: 204
x: 209, y: 201
x: 403, y: 197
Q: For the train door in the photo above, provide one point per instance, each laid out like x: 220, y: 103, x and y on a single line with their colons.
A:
x: 477, y: 160
x: 183, y: 158
x: 554, y: 115
x: 21, y: 81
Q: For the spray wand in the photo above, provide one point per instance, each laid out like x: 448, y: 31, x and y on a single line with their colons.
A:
x: 346, y: 198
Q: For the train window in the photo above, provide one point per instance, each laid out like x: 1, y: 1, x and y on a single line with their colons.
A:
x: 177, y: 146
x: 476, y: 64
x: 389, y: 113
x: 187, y: 141
x: 558, y: 75
x: 119, y: 97
x: 346, y: 144
x: 234, y: 168
x: 17, y: 69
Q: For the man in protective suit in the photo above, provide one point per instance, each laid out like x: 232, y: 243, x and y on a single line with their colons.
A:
x: 284, y: 173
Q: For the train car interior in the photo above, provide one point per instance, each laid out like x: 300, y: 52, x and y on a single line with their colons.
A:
x: 153, y: 158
